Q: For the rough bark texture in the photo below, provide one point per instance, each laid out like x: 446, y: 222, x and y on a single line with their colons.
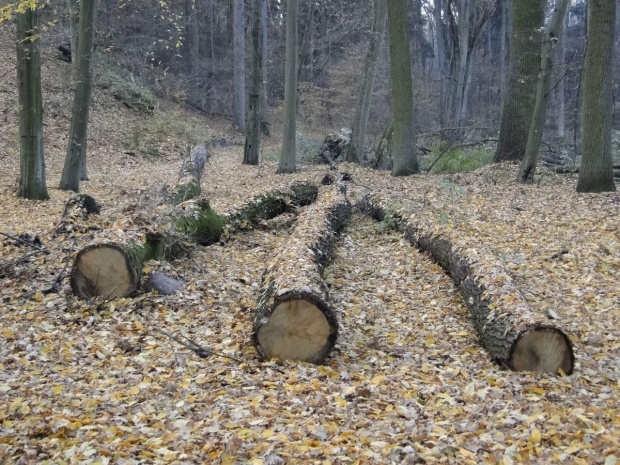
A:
x: 405, y: 157
x: 517, y: 338
x: 190, y: 174
x: 74, y: 21
x: 265, y: 58
x: 552, y: 35
x: 596, y: 173
x: 75, y: 161
x: 239, y: 64
x: 289, y: 143
x: 358, y: 139
x: 32, y: 162
x: 294, y: 319
x: 114, y: 270
x: 527, y: 24
x: 253, y: 121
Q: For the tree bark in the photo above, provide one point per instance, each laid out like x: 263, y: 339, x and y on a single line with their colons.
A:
x: 114, y: 270
x: 75, y: 161
x: 239, y: 64
x: 294, y: 319
x: 527, y: 24
x: 516, y: 337
x: 191, y: 50
x: 358, y: 139
x: 405, y: 157
x: 596, y: 173
x: 264, y: 59
x: 561, y: 87
x: 440, y: 46
x: 553, y: 34
x: 289, y: 143
x: 74, y: 21
x: 32, y: 161
x: 463, y: 61
x: 253, y: 116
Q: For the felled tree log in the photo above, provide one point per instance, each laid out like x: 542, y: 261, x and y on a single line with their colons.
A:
x: 114, y: 270
x: 294, y: 319
x: 515, y: 336
x: 190, y: 174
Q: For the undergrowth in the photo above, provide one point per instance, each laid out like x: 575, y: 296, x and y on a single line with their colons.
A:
x: 459, y: 160
x: 128, y: 91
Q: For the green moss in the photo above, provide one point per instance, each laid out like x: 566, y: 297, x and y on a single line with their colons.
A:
x: 205, y: 228
x: 459, y: 160
x: 131, y: 93
x: 185, y: 192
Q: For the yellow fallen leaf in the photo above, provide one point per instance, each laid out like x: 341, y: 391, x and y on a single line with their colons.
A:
x: 535, y: 436
x: 267, y: 434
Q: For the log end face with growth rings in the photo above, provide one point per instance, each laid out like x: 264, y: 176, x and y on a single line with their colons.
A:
x: 544, y: 350
x: 103, y: 270
x: 297, y: 329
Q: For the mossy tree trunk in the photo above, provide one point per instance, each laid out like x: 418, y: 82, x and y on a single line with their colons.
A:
x: 596, y: 172
x: 289, y: 145
x: 75, y: 161
x: 553, y: 34
x: 405, y: 157
x: 32, y: 162
x: 358, y: 138
x: 253, y: 116
x: 239, y: 64
x: 520, y: 98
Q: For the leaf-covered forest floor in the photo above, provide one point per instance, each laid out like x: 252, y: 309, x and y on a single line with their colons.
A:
x: 88, y: 382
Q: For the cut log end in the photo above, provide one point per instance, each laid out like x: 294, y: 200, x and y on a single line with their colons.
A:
x: 544, y: 350
x: 103, y: 270
x: 297, y: 330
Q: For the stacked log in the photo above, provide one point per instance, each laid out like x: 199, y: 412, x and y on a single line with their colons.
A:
x: 516, y: 336
x: 114, y: 270
x: 294, y: 319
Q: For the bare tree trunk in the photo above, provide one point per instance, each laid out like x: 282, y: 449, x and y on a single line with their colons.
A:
x: 289, y: 145
x: 547, y: 64
x: 265, y: 59
x: 440, y: 60
x: 239, y: 64
x: 405, y: 157
x: 463, y: 38
x: 74, y: 20
x: 192, y: 53
x: 596, y: 172
x: 32, y: 162
x: 502, y: 53
x: 75, y: 160
x: 252, y: 139
x: 358, y: 139
x: 305, y: 49
x: 527, y: 26
x: 561, y: 87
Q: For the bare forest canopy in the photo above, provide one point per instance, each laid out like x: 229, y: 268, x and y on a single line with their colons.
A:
x: 337, y: 231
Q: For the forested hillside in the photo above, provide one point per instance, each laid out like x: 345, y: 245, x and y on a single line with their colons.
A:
x: 276, y: 232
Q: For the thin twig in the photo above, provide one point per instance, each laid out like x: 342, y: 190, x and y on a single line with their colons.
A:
x: 194, y: 347
x: 29, y: 244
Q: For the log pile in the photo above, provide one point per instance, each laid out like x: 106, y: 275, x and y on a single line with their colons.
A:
x: 516, y: 336
x: 294, y: 319
x: 114, y: 270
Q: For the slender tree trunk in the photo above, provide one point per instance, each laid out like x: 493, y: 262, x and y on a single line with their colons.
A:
x: 191, y: 49
x: 74, y: 19
x: 265, y: 58
x: 502, y: 52
x: 358, y: 138
x: 239, y: 64
x: 561, y: 87
x: 75, y: 160
x: 553, y: 33
x: 440, y: 60
x: 596, y: 172
x: 527, y: 26
x: 305, y: 49
x: 464, y: 55
x: 32, y: 162
x: 289, y: 145
x: 405, y: 157
x: 252, y: 139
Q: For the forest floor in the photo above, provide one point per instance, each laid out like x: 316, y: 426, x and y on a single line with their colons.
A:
x: 408, y: 382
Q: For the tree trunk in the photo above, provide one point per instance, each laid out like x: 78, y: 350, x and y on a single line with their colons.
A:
x: 553, y: 34
x: 440, y: 60
x: 115, y: 270
x: 32, y: 162
x: 75, y: 161
x: 502, y: 53
x: 74, y: 21
x: 253, y: 123
x: 405, y: 157
x: 264, y: 60
x: 294, y: 319
x: 358, y: 139
x: 190, y: 175
x: 527, y: 25
x: 191, y: 50
x: 289, y: 145
x: 596, y: 172
x: 239, y: 64
x: 462, y: 66
x: 561, y: 87
x: 516, y: 337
